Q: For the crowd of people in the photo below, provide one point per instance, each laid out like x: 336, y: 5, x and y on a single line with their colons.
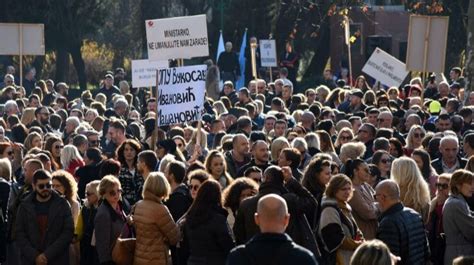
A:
x: 339, y: 174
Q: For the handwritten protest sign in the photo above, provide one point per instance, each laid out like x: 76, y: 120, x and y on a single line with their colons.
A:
x: 268, y: 57
x: 181, y: 94
x: 385, y: 68
x: 144, y: 72
x: 178, y: 37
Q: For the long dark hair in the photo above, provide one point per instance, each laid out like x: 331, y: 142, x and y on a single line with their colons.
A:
x: 314, y: 168
x: 208, y: 200
x: 121, y: 149
x: 425, y: 157
x: 351, y: 165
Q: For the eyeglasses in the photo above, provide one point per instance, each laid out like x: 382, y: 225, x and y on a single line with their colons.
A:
x: 419, y: 135
x: 59, y: 147
x: 385, y: 161
x: 194, y: 187
x: 441, y: 186
x: 44, y: 186
x: 115, y: 192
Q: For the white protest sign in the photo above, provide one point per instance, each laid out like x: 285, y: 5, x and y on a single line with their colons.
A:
x: 24, y: 39
x: 178, y: 37
x: 144, y: 72
x: 385, y: 68
x: 268, y: 55
x: 181, y: 94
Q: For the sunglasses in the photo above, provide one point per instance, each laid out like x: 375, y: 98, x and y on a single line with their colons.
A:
x: 115, y: 192
x: 194, y: 187
x: 44, y: 186
x: 385, y: 161
x: 419, y: 135
x: 441, y: 186
x: 59, y: 147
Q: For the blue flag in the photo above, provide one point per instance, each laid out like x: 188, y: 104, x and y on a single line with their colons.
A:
x: 241, y: 82
x: 220, y: 47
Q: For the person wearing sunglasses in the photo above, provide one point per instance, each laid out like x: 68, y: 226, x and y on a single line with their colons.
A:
x: 435, y: 226
x: 195, y: 181
x: 383, y: 161
x: 44, y: 225
x: 414, y: 139
x: 110, y: 217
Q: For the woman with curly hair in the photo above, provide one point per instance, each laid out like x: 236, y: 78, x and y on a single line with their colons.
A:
x: 131, y: 182
x: 414, y: 191
x: 235, y: 193
x: 65, y: 184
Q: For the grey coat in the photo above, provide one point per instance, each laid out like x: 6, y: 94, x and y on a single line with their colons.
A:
x: 58, y: 236
x: 107, y: 226
x: 458, y: 225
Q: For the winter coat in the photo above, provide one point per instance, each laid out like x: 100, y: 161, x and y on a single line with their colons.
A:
x: 402, y: 229
x: 270, y: 248
x: 58, y: 234
x: 437, y: 164
x: 179, y: 201
x: 364, y: 210
x: 107, y: 227
x: 209, y: 242
x: 155, y: 231
x: 458, y: 225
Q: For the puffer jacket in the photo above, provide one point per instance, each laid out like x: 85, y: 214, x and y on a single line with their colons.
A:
x: 155, y: 231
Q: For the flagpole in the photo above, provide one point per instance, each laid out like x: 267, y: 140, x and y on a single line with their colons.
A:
x: 348, y: 42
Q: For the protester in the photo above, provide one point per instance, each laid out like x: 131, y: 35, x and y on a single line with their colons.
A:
x: 458, y: 220
x: 155, y: 228
x: 373, y: 252
x: 272, y: 245
x: 85, y: 224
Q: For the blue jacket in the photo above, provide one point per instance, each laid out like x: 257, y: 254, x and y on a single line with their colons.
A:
x: 270, y: 248
x: 402, y: 229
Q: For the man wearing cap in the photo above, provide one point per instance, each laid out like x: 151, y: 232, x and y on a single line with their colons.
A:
x: 355, y: 102
x: 108, y: 89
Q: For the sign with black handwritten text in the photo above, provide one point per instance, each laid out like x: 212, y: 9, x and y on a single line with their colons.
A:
x: 177, y: 38
x: 181, y: 93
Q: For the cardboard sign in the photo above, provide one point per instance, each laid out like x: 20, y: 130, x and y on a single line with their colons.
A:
x: 268, y: 54
x: 385, y: 68
x: 427, y: 38
x: 178, y: 37
x: 29, y: 38
x: 181, y: 94
x: 144, y: 72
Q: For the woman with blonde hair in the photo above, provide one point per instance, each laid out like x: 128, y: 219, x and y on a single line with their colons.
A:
x: 344, y: 136
x: 100, y: 97
x: 277, y: 145
x: 312, y: 140
x: 71, y: 159
x: 197, y: 148
x: 414, y: 139
x: 28, y: 116
x: 33, y: 139
x: 414, y: 191
x: 155, y: 229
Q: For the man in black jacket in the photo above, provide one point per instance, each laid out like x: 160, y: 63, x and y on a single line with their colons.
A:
x: 400, y: 228
x: 272, y: 245
x: 279, y: 181
x: 45, y: 227
x: 180, y: 198
x: 449, y: 161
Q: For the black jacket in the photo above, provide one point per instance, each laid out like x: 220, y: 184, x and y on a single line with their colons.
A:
x: 58, y: 235
x: 299, y: 201
x: 231, y: 167
x: 85, y: 175
x: 403, y: 231
x: 269, y: 248
x: 179, y: 202
x: 210, y: 242
x: 438, y: 164
x: 252, y: 164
